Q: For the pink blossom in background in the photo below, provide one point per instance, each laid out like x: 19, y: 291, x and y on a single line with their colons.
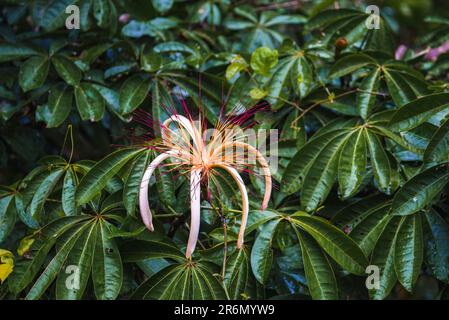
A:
x: 435, y: 52
x: 400, y: 51
x: 124, y: 18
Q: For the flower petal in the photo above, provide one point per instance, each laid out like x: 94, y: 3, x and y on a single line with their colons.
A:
x: 145, y: 211
x: 245, y: 204
x: 195, y: 202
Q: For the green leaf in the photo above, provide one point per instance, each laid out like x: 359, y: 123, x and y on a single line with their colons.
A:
x: 90, y: 103
x: 320, y: 277
x: 238, y: 64
x: 59, y: 105
x: 97, y: 177
x: 408, y: 253
x: 71, y: 284
x: 102, y: 12
x: 438, y: 148
x: 25, y: 271
x: 15, y: 51
x: 379, y: 161
x: 336, y: 243
x: 133, y: 92
x: 55, y: 265
x: 301, y: 75
x: 44, y: 190
x: 367, y: 96
x: 349, y: 64
x: 352, y: 164
x: 418, y: 111
x: 181, y: 282
x: 132, y: 183
x: 436, y: 238
x: 238, y: 274
x: 107, y: 268
x: 420, y: 190
x: 33, y: 72
x: 398, y: 88
x: 277, y: 85
x: 162, y: 6
x: 383, y: 257
x: 138, y: 250
x: 53, y: 16
x: 7, y: 216
x: 263, y: 59
x: 321, y: 175
x: 68, y: 193
x: 262, y: 253
x: 368, y: 230
x: 298, y: 166
x: 150, y: 61
x: 257, y: 93
x: 67, y: 70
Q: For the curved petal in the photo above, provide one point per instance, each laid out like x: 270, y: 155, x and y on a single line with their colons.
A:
x: 144, y: 206
x: 186, y: 124
x: 262, y: 162
x: 245, y: 204
x: 195, y: 202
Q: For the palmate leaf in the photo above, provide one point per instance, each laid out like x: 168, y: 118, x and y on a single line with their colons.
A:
x: 295, y: 71
x: 184, y: 281
x: 299, y: 165
x: 25, y: 271
x: 81, y: 256
x: 100, y: 174
x: 321, y: 174
x: 55, y: 265
x: 351, y: 24
x: 82, y: 243
x: 333, y: 241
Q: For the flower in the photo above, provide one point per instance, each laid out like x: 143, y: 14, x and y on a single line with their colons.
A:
x: 186, y: 146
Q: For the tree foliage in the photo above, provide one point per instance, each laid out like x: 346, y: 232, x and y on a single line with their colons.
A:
x: 363, y: 174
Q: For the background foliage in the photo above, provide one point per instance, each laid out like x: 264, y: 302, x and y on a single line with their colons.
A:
x: 363, y: 178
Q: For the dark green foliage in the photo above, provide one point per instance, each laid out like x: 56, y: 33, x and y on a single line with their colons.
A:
x: 363, y: 175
